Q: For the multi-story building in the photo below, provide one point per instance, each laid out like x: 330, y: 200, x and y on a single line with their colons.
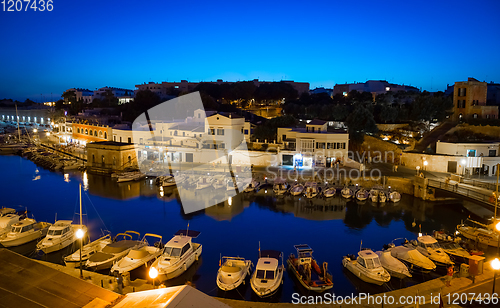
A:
x: 375, y: 87
x: 162, y: 89
x: 313, y: 145
x: 469, y: 101
x: 86, y: 95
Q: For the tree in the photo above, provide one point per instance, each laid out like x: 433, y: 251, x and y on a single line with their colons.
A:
x: 360, y: 122
x: 59, y: 104
x: 69, y: 96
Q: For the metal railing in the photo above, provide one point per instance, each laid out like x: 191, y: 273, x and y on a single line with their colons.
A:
x: 486, y: 185
x: 466, y: 192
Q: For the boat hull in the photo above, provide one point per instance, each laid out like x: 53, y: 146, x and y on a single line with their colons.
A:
x: 241, y: 279
x: 350, y: 265
x: 298, y: 276
x: 21, y: 240
x: 272, y: 289
x: 170, y: 272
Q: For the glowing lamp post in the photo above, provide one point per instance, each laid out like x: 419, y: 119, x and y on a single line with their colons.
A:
x: 79, y: 235
x: 153, y: 273
x: 498, y: 242
x: 425, y: 164
x: 495, y: 264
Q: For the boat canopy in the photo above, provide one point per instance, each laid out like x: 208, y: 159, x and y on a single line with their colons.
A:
x: 270, y: 254
x: 137, y: 254
x: 190, y: 233
x: 367, y: 254
x: 426, y: 239
x: 304, y: 251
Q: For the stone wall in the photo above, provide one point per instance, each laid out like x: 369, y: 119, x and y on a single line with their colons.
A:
x: 493, y: 131
x: 384, y: 150
x: 391, y: 127
x: 437, y: 163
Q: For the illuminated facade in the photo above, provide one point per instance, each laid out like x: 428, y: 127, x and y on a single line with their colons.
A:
x: 469, y: 101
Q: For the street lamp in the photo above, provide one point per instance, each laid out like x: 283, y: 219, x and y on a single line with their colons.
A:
x: 79, y: 234
x: 425, y: 164
x: 153, y: 273
x: 495, y: 264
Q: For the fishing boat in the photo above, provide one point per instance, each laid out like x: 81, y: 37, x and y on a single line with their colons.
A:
x: 23, y: 232
x: 114, y: 251
x: 296, y: 189
x: 329, y: 192
x: 232, y: 272
x: 485, y: 234
x: 204, y: 182
x: 139, y: 256
x: 73, y: 260
x: 393, y: 266
x: 367, y: 267
x: 429, y: 247
x: 394, y: 196
x: 311, y: 190
x: 307, y: 270
x: 374, y: 195
x: 6, y: 222
x: 413, y: 259
x: 178, y: 255
x: 362, y: 194
x: 279, y: 187
x: 346, y: 192
x: 382, y: 197
x: 128, y: 176
x: 252, y: 186
x: 60, y: 235
x: 268, y: 274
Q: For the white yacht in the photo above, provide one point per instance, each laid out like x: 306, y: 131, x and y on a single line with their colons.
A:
x: 367, y: 267
x: 60, y: 235
x: 138, y: 257
x: 395, y: 267
x: 429, y: 247
x: 232, y: 272
x: 178, y: 255
x: 485, y: 234
x: 73, y: 260
x: 297, y: 189
x: 23, y: 232
x: 6, y: 222
x: 114, y: 251
x: 311, y: 190
x: 268, y: 274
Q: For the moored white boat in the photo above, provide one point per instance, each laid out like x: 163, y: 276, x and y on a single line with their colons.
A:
x: 484, y: 235
x: 129, y: 176
x: 73, y: 260
x: 374, y: 195
x: 6, y: 222
x: 393, y: 266
x: 60, y: 235
x: 346, y: 192
x: 233, y: 272
x: 252, y: 186
x: 296, y: 189
x: 329, y: 192
x: 279, y: 187
x: 413, y: 259
x: 178, y: 255
x: 394, y: 196
x: 114, y: 251
x: 367, y: 267
x: 311, y: 190
x: 23, y: 232
x: 382, y: 197
x: 139, y: 256
x: 429, y: 247
x: 362, y: 194
x: 268, y: 274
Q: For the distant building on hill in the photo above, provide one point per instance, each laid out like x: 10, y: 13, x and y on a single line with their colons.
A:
x: 469, y: 101
x: 375, y: 87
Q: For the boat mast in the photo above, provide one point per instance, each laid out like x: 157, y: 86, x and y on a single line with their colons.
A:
x: 18, y: 131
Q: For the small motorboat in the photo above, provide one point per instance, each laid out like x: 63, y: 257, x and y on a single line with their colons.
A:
x: 382, y: 197
x: 178, y: 255
x: 413, y: 259
x: 139, y: 256
x: 455, y: 251
x: 297, y: 189
x: 279, y: 187
x: 346, y: 192
x: 394, y: 196
x: 367, y: 267
x: 73, y: 260
x: 114, y: 251
x: 23, y: 232
x: 307, y: 270
x: 232, y: 272
x: 6, y: 222
x: 268, y: 274
x: 429, y: 247
x: 362, y: 194
x: 204, y: 182
x: 173, y: 180
x: 252, y: 186
x: 329, y: 192
x: 60, y: 235
x: 219, y: 183
x: 393, y: 266
x: 374, y: 195
x: 128, y: 176
x: 311, y: 190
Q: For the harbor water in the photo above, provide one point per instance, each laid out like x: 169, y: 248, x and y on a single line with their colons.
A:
x: 332, y: 227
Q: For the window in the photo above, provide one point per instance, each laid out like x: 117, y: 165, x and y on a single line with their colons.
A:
x: 471, y: 153
x: 183, y: 134
x: 78, y: 129
x: 270, y: 275
x: 95, y: 133
x: 220, y: 131
x: 211, y: 131
x: 129, y: 140
x: 105, y: 135
x: 260, y: 274
x: 313, y: 129
x: 246, y: 131
x: 222, y: 146
x: 129, y: 160
x: 361, y: 261
x: 114, y: 138
x: 185, y: 249
x: 175, y: 133
x: 86, y: 131
x: 100, y: 133
x: 120, y: 139
x: 492, y: 153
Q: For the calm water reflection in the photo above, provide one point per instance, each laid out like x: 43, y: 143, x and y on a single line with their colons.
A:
x: 333, y: 228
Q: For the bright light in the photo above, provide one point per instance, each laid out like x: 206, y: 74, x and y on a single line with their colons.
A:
x: 463, y: 161
x: 456, y: 232
x: 426, y: 163
x: 35, y: 130
x: 265, y: 191
x: 230, y: 201
x: 153, y: 273
x: 498, y: 226
x: 419, y: 234
x: 52, y: 123
x: 48, y: 134
x: 79, y: 233
x: 57, y: 125
x: 495, y: 264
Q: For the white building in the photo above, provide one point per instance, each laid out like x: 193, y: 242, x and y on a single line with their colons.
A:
x: 479, y: 157
x: 313, y: 145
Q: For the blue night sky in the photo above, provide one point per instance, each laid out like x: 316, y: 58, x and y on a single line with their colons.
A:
x: 92, y: 44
